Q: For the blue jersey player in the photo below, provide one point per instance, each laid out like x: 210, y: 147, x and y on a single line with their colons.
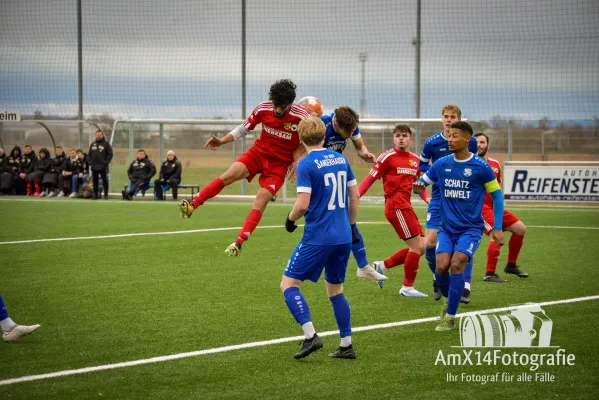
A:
x: 340, y: 126
x: 327, y: 197
x: 462, y: 179
x: 437, y: 147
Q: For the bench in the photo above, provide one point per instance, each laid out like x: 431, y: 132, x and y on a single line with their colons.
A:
x: 193, y: 189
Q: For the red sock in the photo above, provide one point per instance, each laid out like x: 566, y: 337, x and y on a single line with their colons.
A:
x: 396, y: 259
x: 492, y: 257
x: 208, y: 192
x: 250, y: 224
x: 514, y: 248
x: 411, y: 268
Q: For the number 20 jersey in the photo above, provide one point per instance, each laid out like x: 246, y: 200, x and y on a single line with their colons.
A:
x: 326, y: 175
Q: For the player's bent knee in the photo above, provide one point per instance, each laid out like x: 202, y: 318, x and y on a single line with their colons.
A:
x: 263, y: 197
x: 235, y: 172
x: 288, y: 282
x: 430, y: 238
x: 518, y: 228
x: 334, y: 289
x: 442, y: 269
x: 458, y: 263
x: 416, y: 244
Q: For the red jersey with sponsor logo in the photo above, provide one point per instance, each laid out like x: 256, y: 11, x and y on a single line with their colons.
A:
x: 399, y: 170
x: 279, y: 136
x: 496, y: 167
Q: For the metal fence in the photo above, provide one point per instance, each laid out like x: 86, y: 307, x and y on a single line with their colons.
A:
x: 509, y: 140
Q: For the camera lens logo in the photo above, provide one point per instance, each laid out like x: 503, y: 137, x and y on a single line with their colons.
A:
x: 527, y: 326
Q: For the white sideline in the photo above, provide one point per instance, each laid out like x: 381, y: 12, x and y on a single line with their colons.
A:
x: 264, y: 343
x: 233, y: 228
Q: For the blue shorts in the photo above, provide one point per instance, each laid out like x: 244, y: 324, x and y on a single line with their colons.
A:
x: 465, y: 242
x: 433, y: 214
x: 308, y: 261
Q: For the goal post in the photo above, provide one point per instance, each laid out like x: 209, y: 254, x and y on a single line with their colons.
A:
x: 187, y: 138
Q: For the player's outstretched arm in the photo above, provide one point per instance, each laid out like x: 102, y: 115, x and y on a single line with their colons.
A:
x: 497, y: 237
x: 425, y: 196
x: 366, y: 184
x: 235, y: 134
x: 299, y: 210
x: 498, y: 207
x: 353, y: 195
x: 363, y: 152
x: 425, y: 158
x: 420, y: 185
x: 214, y: 142
x: 299, y: 153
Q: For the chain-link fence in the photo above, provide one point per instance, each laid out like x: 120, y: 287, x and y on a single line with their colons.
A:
x: 509, y: 140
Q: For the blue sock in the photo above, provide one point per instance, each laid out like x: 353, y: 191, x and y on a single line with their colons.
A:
x: 468, y: 271
x: 297, y: 305
x: 443, y: 283
x: 456, y: 288
x: 342, y: 314
x: 359, y: 250
x: 431, y: 258
x: 3, y: 310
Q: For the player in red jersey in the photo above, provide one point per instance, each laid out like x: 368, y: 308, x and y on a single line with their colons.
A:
x: 511, y: 223
x: 399, y: 169
x: 270, y: 156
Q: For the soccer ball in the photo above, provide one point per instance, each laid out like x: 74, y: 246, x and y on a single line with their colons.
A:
x: 312, y: 105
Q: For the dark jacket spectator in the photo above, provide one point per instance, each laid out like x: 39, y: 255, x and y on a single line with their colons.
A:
x: 14, y: 158
x: 28, y: 160
x: 51, y: 178
x: 84, y: 162
x: 10, y: 179
x: 42, y: 166
x: 170, y: 175
x: 140, y: 172
x: 5, y: 182
x: 69, y: 171
x: 100, y: 155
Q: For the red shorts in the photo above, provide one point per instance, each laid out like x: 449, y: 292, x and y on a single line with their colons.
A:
x: 509, y: 219
x: 272, y: 172
x: 405, y: 222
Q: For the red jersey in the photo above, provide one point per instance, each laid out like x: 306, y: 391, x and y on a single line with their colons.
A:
x: 279, y: 137
x: 399, y: 170
x: 496, y: 167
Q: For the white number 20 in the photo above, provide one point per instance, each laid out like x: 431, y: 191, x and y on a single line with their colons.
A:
x: 339, y: 183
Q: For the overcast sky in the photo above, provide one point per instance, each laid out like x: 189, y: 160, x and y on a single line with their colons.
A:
x: 182, y: 58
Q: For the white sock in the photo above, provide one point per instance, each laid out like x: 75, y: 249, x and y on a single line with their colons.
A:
x: 467, y: 285
x: 346, y: 341
x: 450, y: 315
x: 309, y: 330
x: 407, y: 288
x: 7, y: 324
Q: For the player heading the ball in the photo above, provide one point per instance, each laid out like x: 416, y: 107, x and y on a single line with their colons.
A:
x: 270, y: 156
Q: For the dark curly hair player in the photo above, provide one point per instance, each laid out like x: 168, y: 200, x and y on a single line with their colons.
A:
x: 282, y: 93
x: 270, y: 156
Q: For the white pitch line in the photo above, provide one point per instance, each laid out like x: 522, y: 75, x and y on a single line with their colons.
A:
x: 233, y: 228
x: 564, y: 227
x: 122, y: 235
x: 215, y: 350
x: 133, y: 235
